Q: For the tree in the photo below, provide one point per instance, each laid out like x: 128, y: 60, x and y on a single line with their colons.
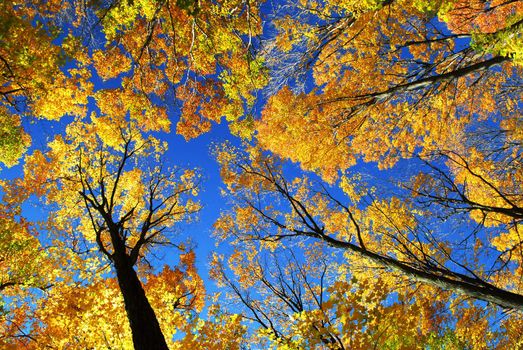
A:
x: 391, y: 234
x: 313, y: 301
x: 388, y: 79
x: 63, y: 59
x: 108, y: 196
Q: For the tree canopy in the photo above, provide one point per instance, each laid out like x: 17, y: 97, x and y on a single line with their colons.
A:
x: 371, y: 178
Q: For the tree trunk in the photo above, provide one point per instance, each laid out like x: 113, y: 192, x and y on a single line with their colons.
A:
x: 145, y: 328
x: 447, y: 280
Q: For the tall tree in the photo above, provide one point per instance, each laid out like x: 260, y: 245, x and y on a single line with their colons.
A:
x: 419, y: 241
x: 112, y: 192
x: 145, y: 62
x: 167, y: 58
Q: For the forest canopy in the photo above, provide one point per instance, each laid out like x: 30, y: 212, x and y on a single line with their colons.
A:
x: 360, y: 184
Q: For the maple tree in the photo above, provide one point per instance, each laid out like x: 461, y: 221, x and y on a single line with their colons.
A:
x: 402, y: 238
x: 106, y: 199
x: 391, y: 87
x: 391, y: 83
